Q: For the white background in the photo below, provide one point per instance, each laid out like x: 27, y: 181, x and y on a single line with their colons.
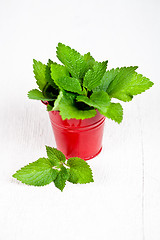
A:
x: 124, y: 201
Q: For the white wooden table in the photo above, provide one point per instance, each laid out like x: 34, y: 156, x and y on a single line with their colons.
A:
x: 124, y: 201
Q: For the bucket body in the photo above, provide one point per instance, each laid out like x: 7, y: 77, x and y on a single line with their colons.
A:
x: 78, y: 138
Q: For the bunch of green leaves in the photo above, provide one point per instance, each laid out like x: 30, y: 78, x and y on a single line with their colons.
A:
x: 55, y: 169
x: 82, y: 85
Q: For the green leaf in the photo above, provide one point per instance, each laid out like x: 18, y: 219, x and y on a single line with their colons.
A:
x: 37, y: 95
x: 55, y: 155
x: 99, y: 100
x: 50, y: 62
x: 69, y: 110
x: 55, y: 161
x: 48, y: 74
x: 61, y: 178
x: 69, y: 84
x: 126, y: 83
x: 58, y: 71
x: 80, y: 171
x: 38, y: 173
x: 57, y: 101
x: 89, y: 59
x: 49, y: 108
x: 106, y: 80
x: 73, y: 60
x: 114, y: 111
x: 39, y: 70
x: 94, y: 76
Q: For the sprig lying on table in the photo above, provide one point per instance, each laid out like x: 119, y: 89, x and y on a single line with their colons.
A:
x: 55, y: 169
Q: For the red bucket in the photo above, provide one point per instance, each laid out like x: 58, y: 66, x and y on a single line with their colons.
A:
x: 78, y: 138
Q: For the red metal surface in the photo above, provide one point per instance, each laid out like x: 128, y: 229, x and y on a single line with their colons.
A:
x: 78, y: 138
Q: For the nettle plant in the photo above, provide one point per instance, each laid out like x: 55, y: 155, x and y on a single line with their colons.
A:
x: 57, y: 169
x: 82, y: 85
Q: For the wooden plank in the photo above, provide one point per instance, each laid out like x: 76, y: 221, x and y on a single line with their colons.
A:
x: 150, y: 116
x: 111, y: 207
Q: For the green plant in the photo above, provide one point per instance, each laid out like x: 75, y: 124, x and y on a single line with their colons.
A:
x: 55, y: 169
x: 81, y: 85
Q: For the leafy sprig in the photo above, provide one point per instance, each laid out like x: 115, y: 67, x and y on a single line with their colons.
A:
x: 55, y: 169
x: 82, y: 85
